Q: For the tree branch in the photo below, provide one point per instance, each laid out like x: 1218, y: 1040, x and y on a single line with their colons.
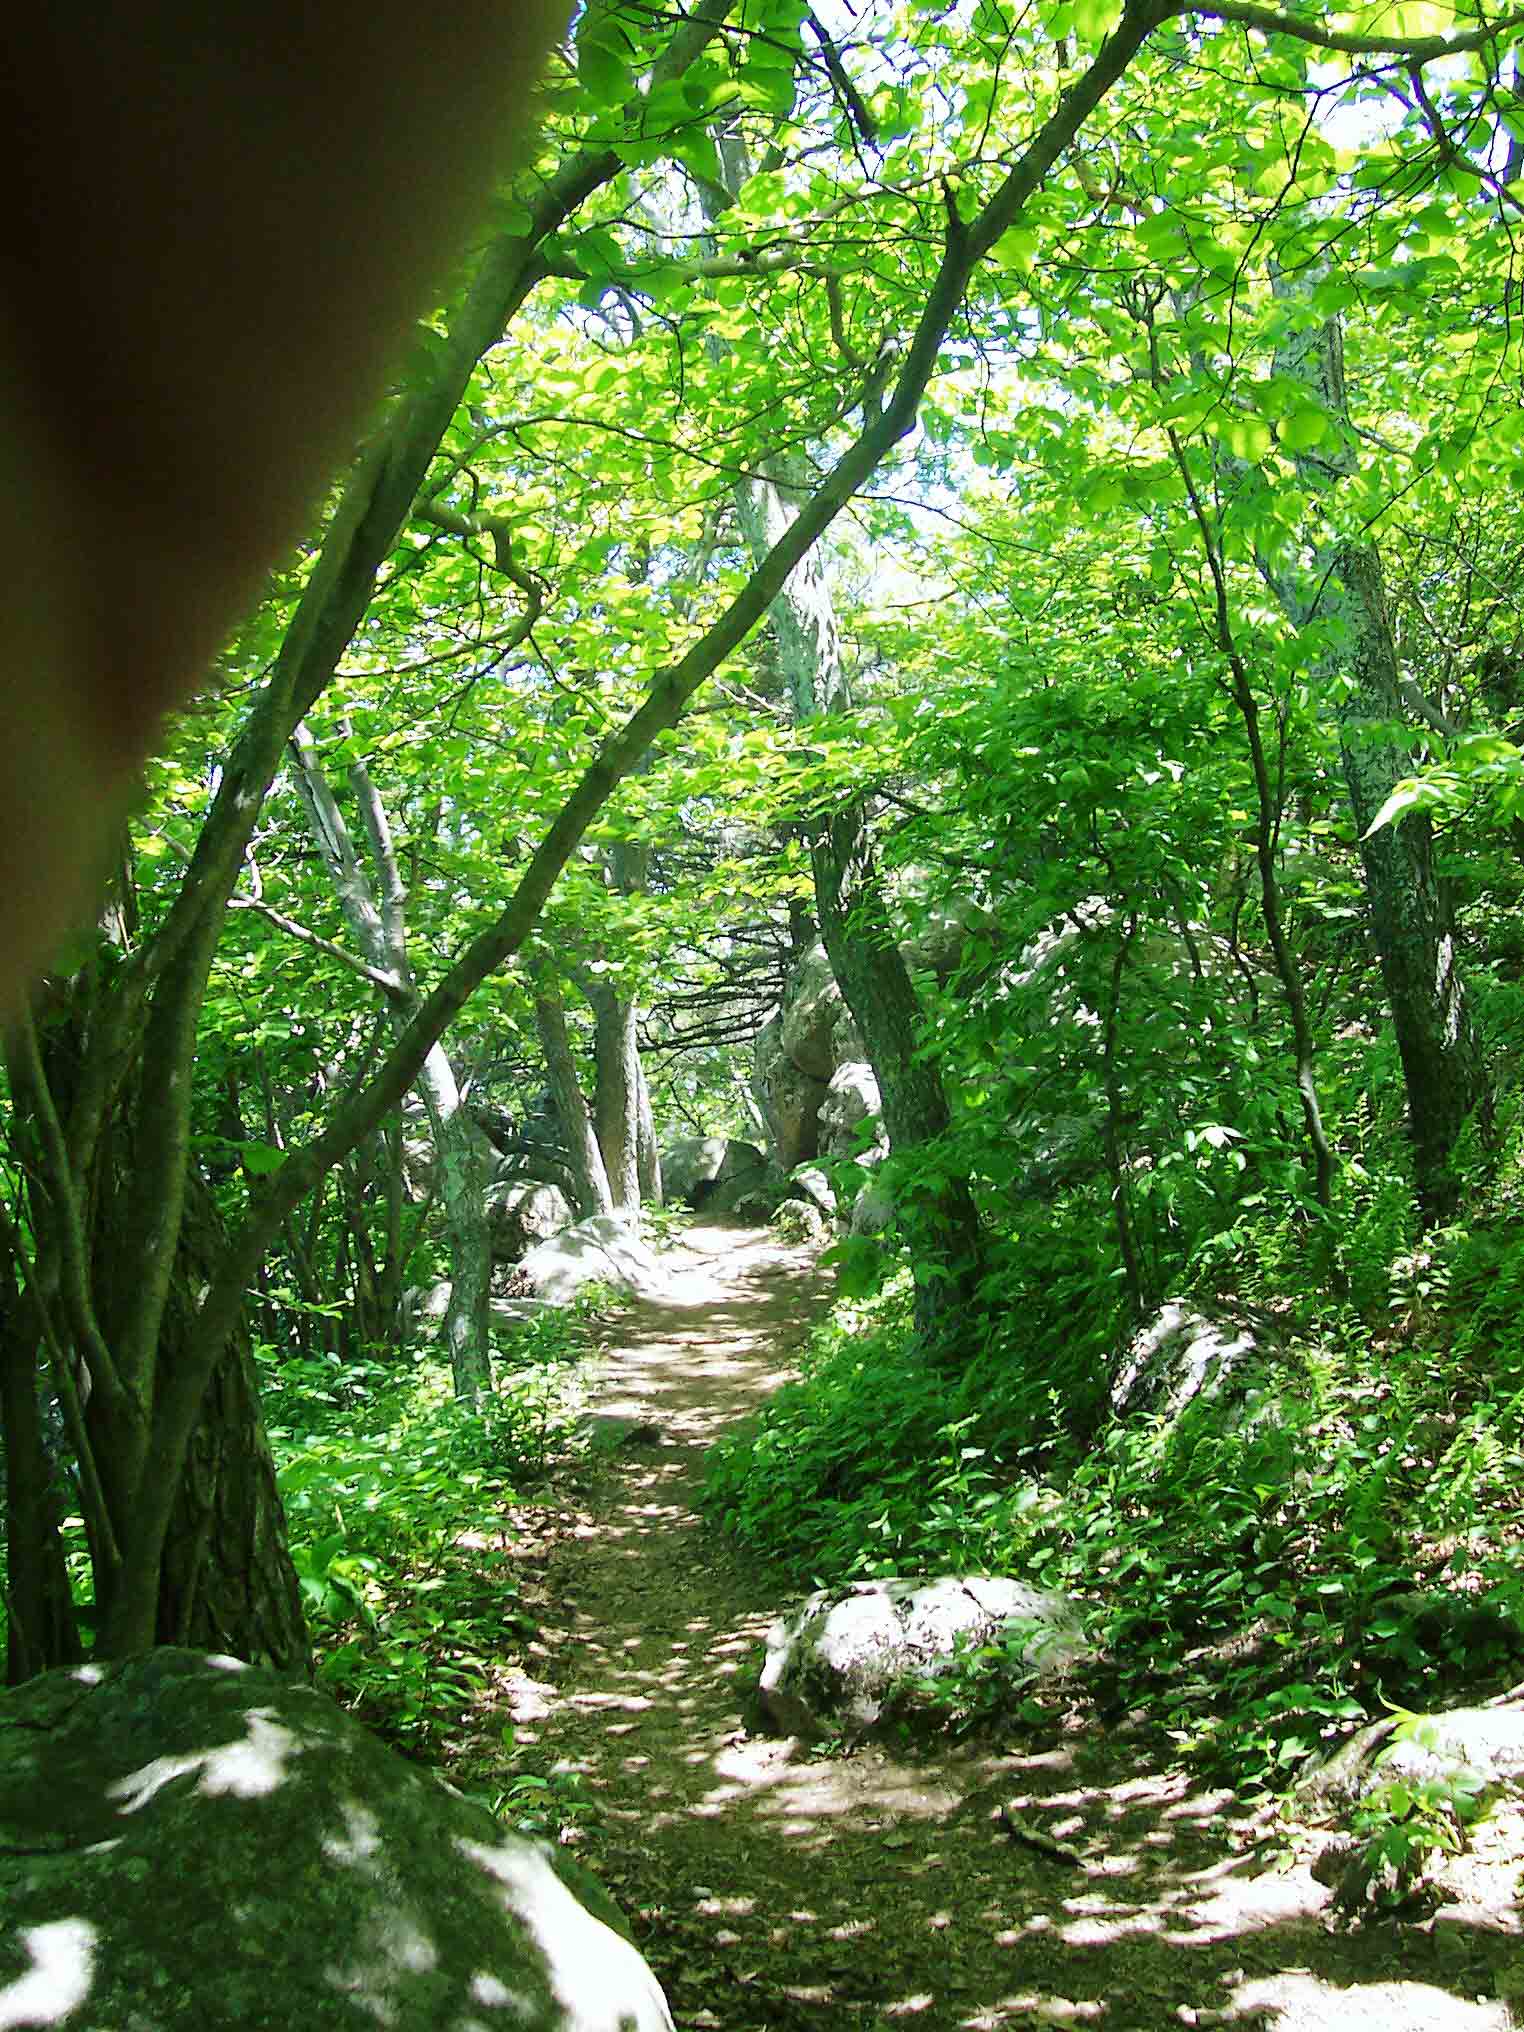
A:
x: 1411, y: 48
x: 376, y: 976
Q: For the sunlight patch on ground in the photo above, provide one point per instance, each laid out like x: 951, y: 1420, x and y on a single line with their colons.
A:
x: 1036, y: 2010
x: 57, y: 1983
x: 1309, y: 2004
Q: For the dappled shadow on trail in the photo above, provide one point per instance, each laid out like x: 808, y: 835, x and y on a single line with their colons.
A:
x: 776, y: 1887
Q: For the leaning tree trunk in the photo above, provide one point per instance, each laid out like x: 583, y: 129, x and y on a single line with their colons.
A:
x: 1410, y: 919
x: 938, y: 1219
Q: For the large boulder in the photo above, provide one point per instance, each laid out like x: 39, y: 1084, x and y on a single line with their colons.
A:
x: 696, y: 1167
x: 811, y: 1183
x: 423, y: 1312
x: 690, y: 1162
x: 852, y: 1099
x: 813, y: 1009
x: 753, y: 1195
x: 1480, y: 1749
x: 603, y: 1249
x: 946, y: 931
x: 801, y: 1220
x: 189, y: 1842
x: 788, y: 1097
x: 845, y: 1657
x: 873, y: 1211
x: 522, y: 1213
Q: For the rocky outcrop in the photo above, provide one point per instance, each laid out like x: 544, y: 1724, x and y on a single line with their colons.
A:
x: 817, y: 1031
x: 797, y: 1058
x: 852, y: 1100
x: 605, y: 1249
x: 694, y: 1168
x: 1182, y: 1355
x: 520, y: 1215
x: 190, y: 1842
x: 789, y: 1098
x: 851, y: 1657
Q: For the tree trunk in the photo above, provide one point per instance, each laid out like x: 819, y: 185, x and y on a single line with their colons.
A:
x: 1111, y: 1130
x: 1411, y: 924
x: 647, y: 1149
x: 936, y: 1210
x: 226, y: 1581
x: 937, y: 1215
x: 375, y: 913
x: 459, y: 1147
x: 584, y: 1157
x: 41, y: 1628
x: 616, y: 1088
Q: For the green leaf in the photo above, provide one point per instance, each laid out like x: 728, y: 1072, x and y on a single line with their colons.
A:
x: 260, y: 1159
x: 1246, y: 437
x: 1410, y: 795
x: 1016, y: 249
x: 602, y: 69
x: 1303, y: 428
x: 1096, y: 19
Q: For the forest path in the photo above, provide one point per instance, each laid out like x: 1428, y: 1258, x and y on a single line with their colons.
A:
x: 773, y: 1887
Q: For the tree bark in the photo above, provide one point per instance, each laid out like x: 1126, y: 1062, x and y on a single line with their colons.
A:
x: 616, y: 1088
x: 1111, y: 1129
x: 41, y: 1627
x: 1411, y: 923
x: 647, y: 1148
x: 934, y: 1206
x: 585, y: 1158
x: 227, y: 1582
x: 376, y: 914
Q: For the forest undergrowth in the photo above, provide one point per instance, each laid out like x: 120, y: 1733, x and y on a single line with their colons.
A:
x: 1262, y: 1577
x: 1333, y: 1536
x: 401, y: 1501
x: 560, y: 1674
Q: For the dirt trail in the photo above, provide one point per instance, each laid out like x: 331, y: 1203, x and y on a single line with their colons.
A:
x: 772, y: 1887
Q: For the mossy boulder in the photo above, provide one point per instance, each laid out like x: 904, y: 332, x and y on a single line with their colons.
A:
x: 186, y: 1841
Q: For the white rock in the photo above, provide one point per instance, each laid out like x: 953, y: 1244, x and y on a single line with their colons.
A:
x: 604, y: 1249
x: 840, y: 1659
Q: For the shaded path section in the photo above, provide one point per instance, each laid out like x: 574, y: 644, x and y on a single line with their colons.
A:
x: 773, y: 1886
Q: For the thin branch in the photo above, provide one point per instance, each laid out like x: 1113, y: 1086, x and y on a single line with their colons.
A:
x: 377, y: 976
x: 24, y: 1062
x: 92, y: 1495
x: 1411, y: 48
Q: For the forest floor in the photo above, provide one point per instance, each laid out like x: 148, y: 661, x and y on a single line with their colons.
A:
x: 773, y: 1885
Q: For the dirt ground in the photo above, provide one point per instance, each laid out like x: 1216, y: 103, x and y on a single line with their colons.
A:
x: 773, y: 1886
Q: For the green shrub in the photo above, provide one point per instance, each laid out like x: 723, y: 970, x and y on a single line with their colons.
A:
x: 1264, y: 1575
x: 395, y: 1493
